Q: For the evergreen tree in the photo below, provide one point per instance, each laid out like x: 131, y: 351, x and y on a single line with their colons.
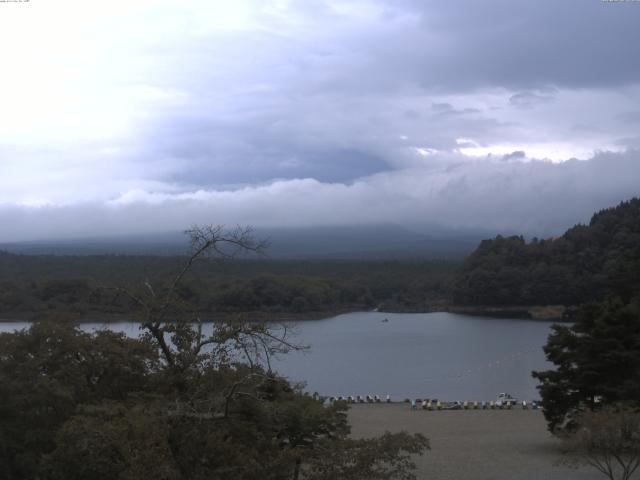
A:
x: 597, y: 362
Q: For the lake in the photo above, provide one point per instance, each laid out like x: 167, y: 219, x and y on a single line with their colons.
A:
x: 427, y: 355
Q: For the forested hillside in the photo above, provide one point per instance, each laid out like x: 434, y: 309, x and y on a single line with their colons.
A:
x: 585, y: 264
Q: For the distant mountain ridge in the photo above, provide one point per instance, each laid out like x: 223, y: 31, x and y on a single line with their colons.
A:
x: 369, y: 242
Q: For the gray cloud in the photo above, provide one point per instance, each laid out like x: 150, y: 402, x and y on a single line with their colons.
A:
x: 317, y: 99
x: 363, y: 110
x: 529, y: 99
x: 630, y: 117
x: 517, y: 155
x: 522, y: 44
x: 532, y: 197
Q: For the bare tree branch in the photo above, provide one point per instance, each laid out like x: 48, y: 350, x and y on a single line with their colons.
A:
x: 177, y: 327
x: 609, y: 441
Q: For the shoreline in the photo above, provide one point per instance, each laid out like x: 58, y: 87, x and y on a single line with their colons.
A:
x: 207, y: 318
x: 555, y: 313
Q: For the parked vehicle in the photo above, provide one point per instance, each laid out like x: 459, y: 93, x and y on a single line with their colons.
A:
x: 505, y: 399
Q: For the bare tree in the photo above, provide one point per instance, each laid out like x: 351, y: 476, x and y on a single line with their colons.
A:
x: 175, y: 324
x: 608, y: 440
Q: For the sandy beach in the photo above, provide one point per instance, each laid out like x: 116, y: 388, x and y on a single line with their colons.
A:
x: 473, y: 444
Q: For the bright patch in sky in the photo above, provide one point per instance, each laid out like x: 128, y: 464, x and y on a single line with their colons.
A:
x: 555, y: 152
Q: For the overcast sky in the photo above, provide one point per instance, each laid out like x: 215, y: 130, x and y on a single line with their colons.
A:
x: 140, y: 116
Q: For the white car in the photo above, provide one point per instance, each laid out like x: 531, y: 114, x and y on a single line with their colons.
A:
x: 504, y: 399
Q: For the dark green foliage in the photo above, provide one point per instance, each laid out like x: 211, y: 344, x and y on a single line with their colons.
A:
x: 77, y: 406
x: 32, y: 286
x: 266, y: 292
x: 585, y: 264
x: 379, y: 459
x: 597, y: 359
x: 47, y: 372
x: 597, y: 362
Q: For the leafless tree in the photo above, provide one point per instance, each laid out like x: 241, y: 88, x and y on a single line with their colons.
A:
x: 608, y: 440
x: 176, y: 324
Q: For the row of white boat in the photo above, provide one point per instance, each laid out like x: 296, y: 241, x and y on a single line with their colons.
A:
x: 503, y: 401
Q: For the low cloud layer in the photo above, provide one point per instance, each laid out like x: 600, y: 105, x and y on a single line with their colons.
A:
x: 148, y: 115
x: 497, y: 195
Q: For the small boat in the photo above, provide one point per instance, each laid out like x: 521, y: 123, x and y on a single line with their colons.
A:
x: 385, y: 320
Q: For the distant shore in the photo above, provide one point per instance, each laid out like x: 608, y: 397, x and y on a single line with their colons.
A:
x: 473, y: 444
x: 548, y: 313
x: 207, y: 317
x: 534, y: 312
x: 559, y: 313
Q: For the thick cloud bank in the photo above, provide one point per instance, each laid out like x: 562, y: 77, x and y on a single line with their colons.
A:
x: 138, y: 115
x: 532, y: 197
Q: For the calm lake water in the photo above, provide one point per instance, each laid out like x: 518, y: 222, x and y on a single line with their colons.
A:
x: 433, y: 355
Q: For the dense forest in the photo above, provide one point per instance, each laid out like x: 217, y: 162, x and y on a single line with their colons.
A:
x: 587, y: 263
x: 34, y: 286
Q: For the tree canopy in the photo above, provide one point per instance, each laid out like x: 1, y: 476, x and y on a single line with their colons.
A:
x: 597, y: 362
x: 587, y: 263
x: 176, y: 403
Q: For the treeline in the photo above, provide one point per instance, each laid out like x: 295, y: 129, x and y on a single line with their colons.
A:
x: 33, y: 286
x: 587, y: 263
